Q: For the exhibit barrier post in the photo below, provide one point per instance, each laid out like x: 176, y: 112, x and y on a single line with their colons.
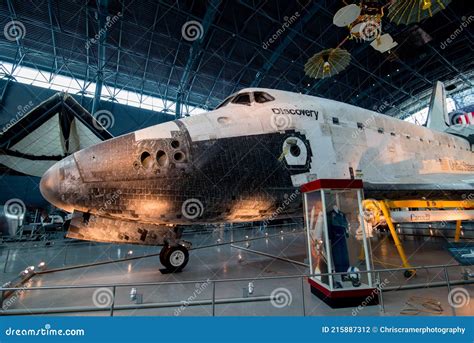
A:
x: 302, y: 296
x: 6, y: 261
x: 213, y: 298
x: 65, y: 254
x: 382, y: 306
x: 446, y: 275
x: 113, y: 301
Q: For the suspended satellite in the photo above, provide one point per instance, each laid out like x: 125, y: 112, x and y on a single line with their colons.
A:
x: 364, y: 22
x: 368, y: 25
x: 346, y: 15
x: 409, y: 12
x: 383, y: 43
x: 366, y: 30
x: 327, y: 63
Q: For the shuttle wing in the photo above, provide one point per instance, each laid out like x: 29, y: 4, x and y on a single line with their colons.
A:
x: 466, y: 132
x: 90, y: 227
x: 447, y: 188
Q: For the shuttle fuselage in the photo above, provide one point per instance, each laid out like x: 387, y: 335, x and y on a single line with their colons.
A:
x: 245, y: 161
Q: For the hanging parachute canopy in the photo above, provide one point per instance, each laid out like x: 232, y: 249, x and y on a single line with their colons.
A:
x: 414, y: 11
x: 327, y: 63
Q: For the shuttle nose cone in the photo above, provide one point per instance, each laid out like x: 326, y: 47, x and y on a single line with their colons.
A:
x: 52, y: 183
x: 49, y: 185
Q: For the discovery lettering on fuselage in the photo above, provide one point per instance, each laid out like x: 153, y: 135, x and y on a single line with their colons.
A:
x: 295, y: 111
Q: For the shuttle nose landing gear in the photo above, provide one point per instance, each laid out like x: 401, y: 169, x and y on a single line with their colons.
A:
x: 174, y: 258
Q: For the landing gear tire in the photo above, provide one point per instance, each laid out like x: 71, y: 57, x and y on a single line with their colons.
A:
x: 174, y: 258
x: 409, y: 273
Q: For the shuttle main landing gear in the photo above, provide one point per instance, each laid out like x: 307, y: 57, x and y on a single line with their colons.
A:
x: 174, y: 258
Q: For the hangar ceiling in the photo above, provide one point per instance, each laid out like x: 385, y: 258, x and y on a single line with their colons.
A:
x: 139, y: 46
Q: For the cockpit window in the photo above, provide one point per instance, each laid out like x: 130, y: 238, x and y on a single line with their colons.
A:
x: 225, y: 102
x: 262, y: 97
x: 242, y: 99
x: 246, y: 99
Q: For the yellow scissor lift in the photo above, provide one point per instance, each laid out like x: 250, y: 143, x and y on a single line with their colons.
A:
x: 385, y: 207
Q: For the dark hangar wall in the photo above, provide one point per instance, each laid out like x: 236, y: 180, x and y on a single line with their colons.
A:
x: 19, y: 97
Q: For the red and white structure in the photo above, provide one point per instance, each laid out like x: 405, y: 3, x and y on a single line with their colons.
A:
x: 339, y: 251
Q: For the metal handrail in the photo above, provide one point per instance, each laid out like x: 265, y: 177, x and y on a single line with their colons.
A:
x: 165, y: 283
x: 213, y: 301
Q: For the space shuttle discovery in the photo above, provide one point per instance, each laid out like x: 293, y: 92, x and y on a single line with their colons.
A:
x: 243, y: 160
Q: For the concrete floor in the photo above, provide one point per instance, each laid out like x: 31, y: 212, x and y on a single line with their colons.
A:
x: 219, y: 263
